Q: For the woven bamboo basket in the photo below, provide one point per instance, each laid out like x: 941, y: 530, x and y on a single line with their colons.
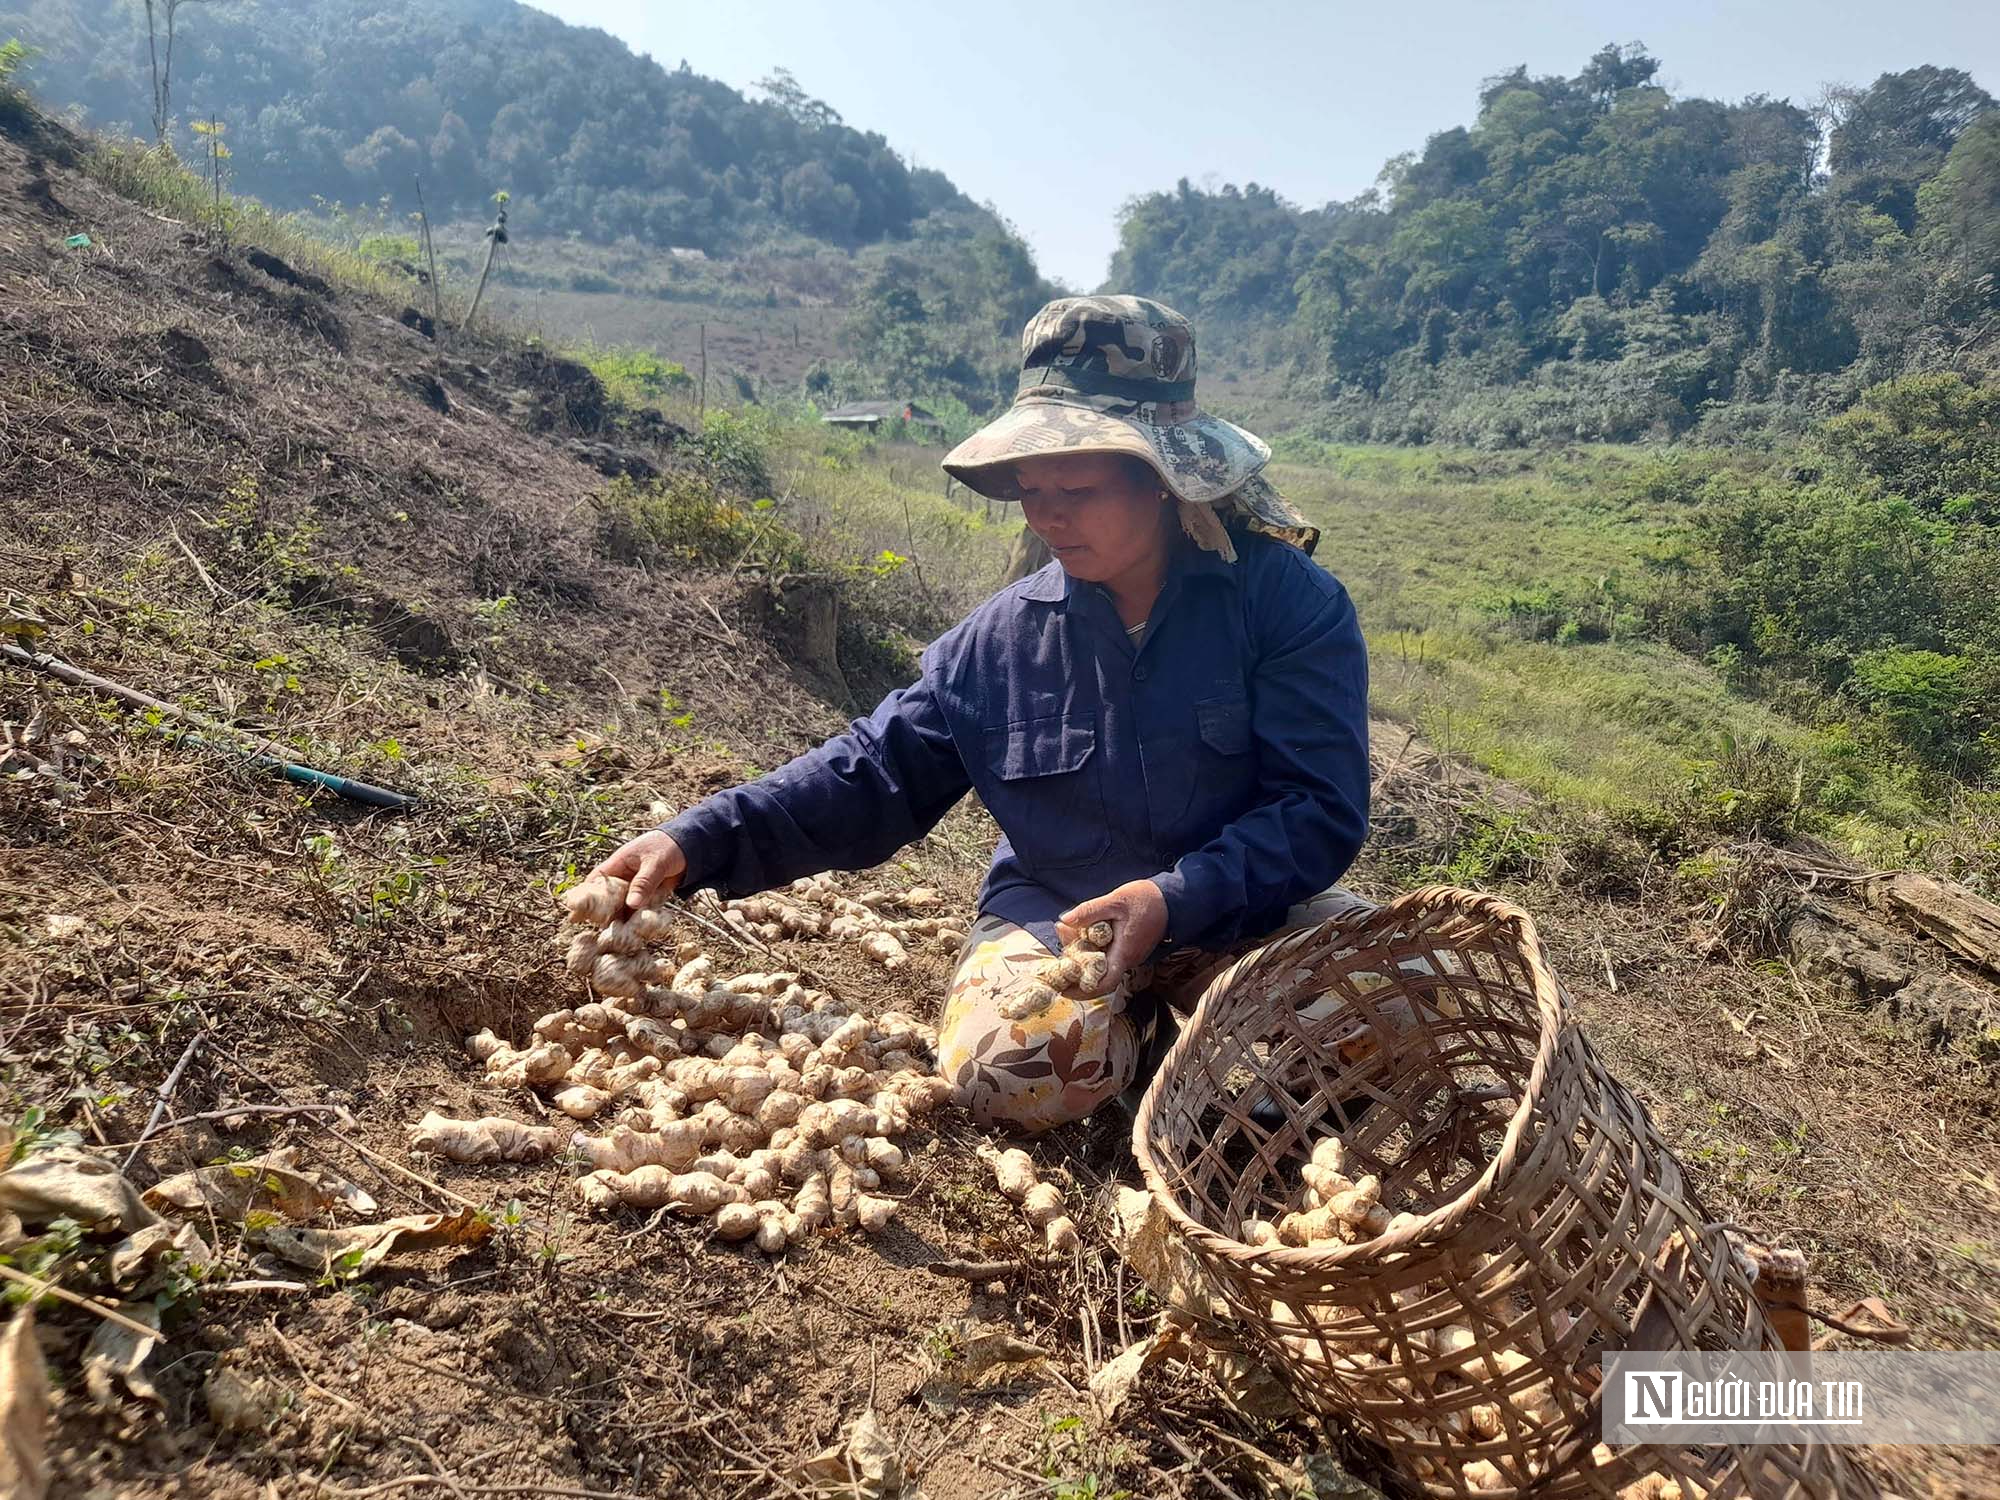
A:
x: 1544, y: 1220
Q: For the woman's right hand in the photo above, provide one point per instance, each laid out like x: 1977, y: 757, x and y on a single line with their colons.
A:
x: 651, y: 865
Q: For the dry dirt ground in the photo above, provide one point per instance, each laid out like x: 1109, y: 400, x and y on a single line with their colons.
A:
x: 272, y: 500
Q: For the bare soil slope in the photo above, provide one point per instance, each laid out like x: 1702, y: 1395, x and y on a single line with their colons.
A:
x: 234, y: 486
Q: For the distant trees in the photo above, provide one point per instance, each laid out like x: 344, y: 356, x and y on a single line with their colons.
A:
x: 1641, y: 260
x: 1958, y: 210
x: 784, y: 91
x: 343, y: 99
x: 1897, y: 135
x: 385, y: 160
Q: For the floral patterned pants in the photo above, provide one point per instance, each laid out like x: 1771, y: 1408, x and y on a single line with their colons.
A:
x: 1059, y: 1066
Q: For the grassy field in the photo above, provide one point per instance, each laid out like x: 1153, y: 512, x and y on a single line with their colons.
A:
x: 867, y: 498
x: 1503, y: 599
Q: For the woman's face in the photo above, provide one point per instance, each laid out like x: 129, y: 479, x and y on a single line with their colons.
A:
x: 1096, y: 514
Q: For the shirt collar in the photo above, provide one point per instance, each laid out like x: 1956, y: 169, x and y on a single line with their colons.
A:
x: 1051, y: 585
x: 1048, y: 585
x: 1190, y: 561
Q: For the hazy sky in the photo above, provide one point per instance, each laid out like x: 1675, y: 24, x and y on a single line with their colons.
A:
x: 1059, y: 115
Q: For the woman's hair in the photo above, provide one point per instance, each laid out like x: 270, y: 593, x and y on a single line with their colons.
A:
x: 1140, y: 474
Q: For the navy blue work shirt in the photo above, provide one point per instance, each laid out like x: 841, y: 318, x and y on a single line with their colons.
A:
x: 1225, y: 757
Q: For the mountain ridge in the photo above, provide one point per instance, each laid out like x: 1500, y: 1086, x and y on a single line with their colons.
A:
x: 347, y: 100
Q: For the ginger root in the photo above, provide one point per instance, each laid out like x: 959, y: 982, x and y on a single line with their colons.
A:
x: 1026, y: 1000
x: 1080, y: 970
x: 478, y: 1141
x: 596, y: 902
x: 1013, y: 1170
x: 656, y: 1187
x: 884, y: 949
x: 1041, y: 1202
x: 580, y: 1101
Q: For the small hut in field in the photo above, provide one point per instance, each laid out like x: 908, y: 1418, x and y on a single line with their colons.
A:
x: 868, y: 416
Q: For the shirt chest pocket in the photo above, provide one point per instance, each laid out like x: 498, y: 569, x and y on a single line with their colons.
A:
x: 1198, y: 782
x: 1224, y: 725
x: 1042, y: 786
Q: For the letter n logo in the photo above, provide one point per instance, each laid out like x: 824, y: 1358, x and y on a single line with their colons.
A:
x: 1652, y: 1396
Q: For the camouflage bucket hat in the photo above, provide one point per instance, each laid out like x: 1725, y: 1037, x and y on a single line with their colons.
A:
x: 1116, y: 375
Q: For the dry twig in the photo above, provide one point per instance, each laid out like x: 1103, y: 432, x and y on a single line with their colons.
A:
x: 63, y: 1294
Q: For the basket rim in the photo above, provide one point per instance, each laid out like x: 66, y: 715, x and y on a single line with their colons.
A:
x: 1441, y: 1221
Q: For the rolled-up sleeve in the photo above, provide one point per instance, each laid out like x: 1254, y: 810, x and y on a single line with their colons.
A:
x: 847, y: 805
x: 1309, y: 696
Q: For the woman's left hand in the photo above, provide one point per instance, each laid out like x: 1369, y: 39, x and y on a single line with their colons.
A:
x: 1137, y: 913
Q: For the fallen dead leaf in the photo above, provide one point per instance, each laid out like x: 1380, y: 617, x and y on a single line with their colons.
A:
x: 136, y: 1254
x: 1248, y: 1386
x: 1143, y: 1235
x: 229, y: 1190
x: 862, y: 1466
x: 115, y: 1355
x: 983, y: 1357
x: 347, y: 1191
x: 24, y: 1411
x: 359, y: 1249
x: 67, y: 1184
x: 1115, y: 1380
x: 235, y: 1404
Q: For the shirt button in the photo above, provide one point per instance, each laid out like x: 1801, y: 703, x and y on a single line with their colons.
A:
x: 1138, y: 674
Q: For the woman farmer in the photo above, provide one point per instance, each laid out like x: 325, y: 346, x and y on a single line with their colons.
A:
x: 1168, y: 722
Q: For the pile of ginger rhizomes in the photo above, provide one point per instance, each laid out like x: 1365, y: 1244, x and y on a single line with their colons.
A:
x: 753, y: 1098
x: 816, y: 907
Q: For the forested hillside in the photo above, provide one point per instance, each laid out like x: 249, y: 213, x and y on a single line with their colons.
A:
x: 346, y: 99
x: 1597, y: 258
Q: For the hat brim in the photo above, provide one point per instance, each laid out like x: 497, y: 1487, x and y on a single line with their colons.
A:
x: 1202, y: 459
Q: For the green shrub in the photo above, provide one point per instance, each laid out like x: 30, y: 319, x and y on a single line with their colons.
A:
x: 1935, y: 703
x: 389, y: 247
x: 12, y: 55
x: 13, y: 105
x: 732, y: 448
x: 683, y: 518
x: 635, y: 377
x: 1492, y: 844
x: 1932, y: 438
x: 1756, y: 788
x: 1728, y: 662
x: 1672, y: 477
